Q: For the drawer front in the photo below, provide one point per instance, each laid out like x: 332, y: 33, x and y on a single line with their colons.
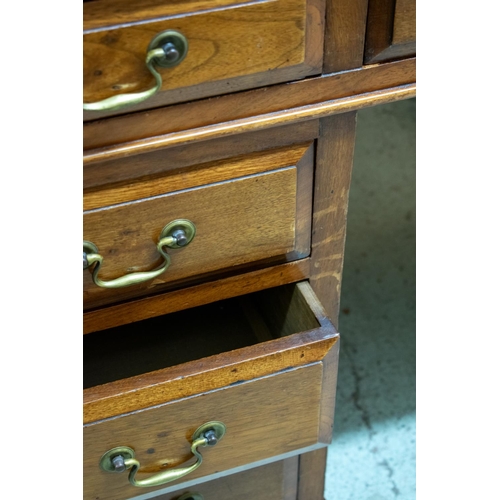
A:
x: 232, y: 45
x: 275, y: 481
x: 275, y: 398
x: 391, y: 30
x: 248, y: 210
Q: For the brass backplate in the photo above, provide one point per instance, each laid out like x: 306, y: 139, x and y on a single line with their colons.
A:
x: 218, y: 427
x: 177, y: 39
x: 106, y: 463
x: 186, y: 225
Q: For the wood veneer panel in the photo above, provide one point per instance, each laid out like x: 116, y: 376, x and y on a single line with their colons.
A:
x: 184, y: 298
x: 312, y: 468
x: 196, y: 175
x: 405, y: 26
x: 264, y: 417
x: 390, y: 30
x: 344, y: 35
x: 268, y: 482
x: 335, y: 153
x: 123, y: 170
x: 221, y: 370
x: 237, y: 222
x: 100, y: 14
x: 253, y: 45
x: 246, y: 112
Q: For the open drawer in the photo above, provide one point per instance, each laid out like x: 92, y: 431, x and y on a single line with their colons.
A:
x: 264, y: 365
x: 268, y: 482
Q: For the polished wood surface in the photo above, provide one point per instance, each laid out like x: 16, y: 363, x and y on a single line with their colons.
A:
x: 125, y: 170
x: 331, y: 195
x: 274, y: 398
x: 390, y: 30
x: 229, y: 114
x: 312, y: 467
x: 256, y: 110
x: 98, y: 15
x: 344, y: 35
x: 268, y: 482
x: 265, y: 417
x: 256, y: 44
x: 137, y: 392
x: 197, y: 295
x: 194, y: 176
x: 405, y: 22
x: 238, y: 221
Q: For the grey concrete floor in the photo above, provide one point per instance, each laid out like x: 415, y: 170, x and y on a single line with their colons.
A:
x: 373, y: 453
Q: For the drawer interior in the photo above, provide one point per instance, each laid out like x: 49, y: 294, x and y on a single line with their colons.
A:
x: 192, y: 334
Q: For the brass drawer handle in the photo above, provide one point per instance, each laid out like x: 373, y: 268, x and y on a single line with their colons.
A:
x: 121, y: 458
x: 176, y: 234
x: 167, y: 49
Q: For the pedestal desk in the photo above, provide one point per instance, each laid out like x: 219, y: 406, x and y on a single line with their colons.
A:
x: 218, y: 145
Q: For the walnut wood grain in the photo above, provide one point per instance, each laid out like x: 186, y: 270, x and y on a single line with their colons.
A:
x: 311, y: 480
x: 230, y: 49
x: 264, y: 417
x: 344, y: 35
x: 126, y: 129
x: 213, y: 372
x: 315, y: 99
x: 101, y: 14
x: 189, y: 297
x: 312, y: 111
x: 405, y: 22
x: 122, y: 171
x: 268, y: 482
x: 197, y: 175
x: 272, y: 210
x: 334, y: 159
x: 390, y: 30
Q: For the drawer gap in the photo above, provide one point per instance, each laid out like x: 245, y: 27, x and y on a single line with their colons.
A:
x: 193, y: 334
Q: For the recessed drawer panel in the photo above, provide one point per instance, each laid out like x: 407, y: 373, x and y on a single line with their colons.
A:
x: 390, y: 30
x: 231, y: 45
x: 245, y: 211
x: 269, y: 378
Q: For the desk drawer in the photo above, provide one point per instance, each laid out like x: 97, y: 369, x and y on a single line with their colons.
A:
x: 232, y: 45
x: 277, y: 480
x: 250, y: 210
x: 391, y: 30
x: 269, y: 377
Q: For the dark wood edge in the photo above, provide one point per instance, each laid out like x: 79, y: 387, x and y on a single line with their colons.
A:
x: 246, y: 111
x: 334, y: 159
x: 310, y: 65
x: 379, y: 44
x: 205, y: 293
x: 290, y: 475
x: 303, y: 212
x: 214, y: 372
x: 178, y: 382
x: 344, y: 35
x: 312, y: 467
x: 379, y: 27
x: 391, y: 52
x: 328, y: 393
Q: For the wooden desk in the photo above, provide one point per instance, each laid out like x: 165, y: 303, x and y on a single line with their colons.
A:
x: 250, y: 139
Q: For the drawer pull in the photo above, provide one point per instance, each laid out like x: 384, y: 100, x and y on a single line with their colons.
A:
x: 122, y: 458
x: 167, y: 49
x: 176, y: 234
